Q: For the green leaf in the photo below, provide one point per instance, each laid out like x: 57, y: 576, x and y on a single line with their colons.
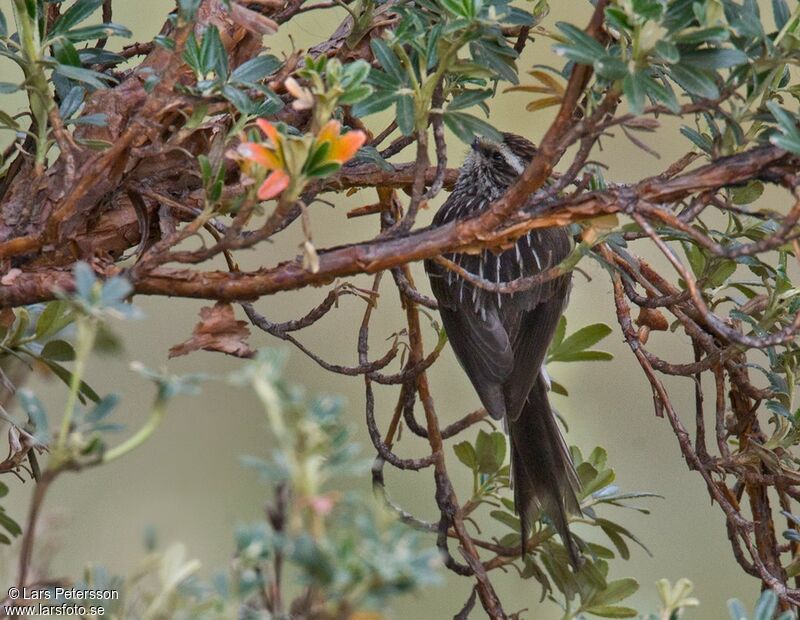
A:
x: 318, y: 156
x: 388, y: 59
x: 375, y: 103
x: 324, y: 170
x: 667, y: 51
x: 635, y: 88
x: 603, y: 479
x: 72, y: 101
x: 581, y: 47
x: 255, y: 69
x: 188, y: 8
x: 715, y: 58
x: 695, y: 81
x: 99, y: 119
x: 649, y: 9
x: 84, y: 390
x: 10, y: 526
x: 698, y: 139
x: 617, y: 591
x: 36, y: 412
x: 492, y: 56
x: 696, y: 258
x: 212, y: 52
x: 612, y: 611
x: 506, y: 518
x: 468, y: 98
x: 99, y: 31
x: 736, y: 610
x: 466, y: 454
x: 238, y: 98
x: 87, y: 76
x: 55, y: 317
x: 721, y: 273
x: 611, y: 68
x: 490, y: 451
x: 765, y: 606
x: 586, y: 356
x: 355, y: 73
x: 780, y: 13
x: 609, y: 526
x: 717, y: 34
x: 598, y: 458
x: 405, y: 114
x: 789, y: 138
x: 748, y: 193
x: 164, y: 41
x: 102, y: 409
x: 431, y: 45
x: 191, y: 54
x: 59, y: 351
x: 580, y: 341
x: 370, y: 154
x: 355, y: 94
x: 455, y: 7
x: 466, y: 126
x: 618, y: 542
x: 78, y: 12
x: 663, y: 95
x: 66, y: 53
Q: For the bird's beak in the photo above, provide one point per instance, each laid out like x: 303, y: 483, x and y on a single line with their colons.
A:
x: 475, y: 144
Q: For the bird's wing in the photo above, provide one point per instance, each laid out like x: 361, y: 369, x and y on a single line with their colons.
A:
x: 477, y: 335
x: 533, y: 316
x: 530, y: 343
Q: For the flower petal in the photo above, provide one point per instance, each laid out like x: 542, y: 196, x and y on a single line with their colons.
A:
x: 346, y: 146
x: 293, y: 88
x: 260, y: 155
x: 273, y: 185
x: 269, y: 130
x: 330, y: 132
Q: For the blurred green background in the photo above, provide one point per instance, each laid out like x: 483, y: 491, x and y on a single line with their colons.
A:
x: 187, y: 482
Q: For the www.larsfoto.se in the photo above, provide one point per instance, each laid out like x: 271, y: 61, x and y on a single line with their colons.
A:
x: 43, y: 609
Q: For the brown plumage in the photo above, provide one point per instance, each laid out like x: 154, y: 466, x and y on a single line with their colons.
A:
x: 501, y: 339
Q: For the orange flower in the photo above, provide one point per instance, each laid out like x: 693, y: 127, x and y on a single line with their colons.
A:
x: 347, y: 146
x: 343, y: 146
x: 270, y: 131
x: 261, y: 155
x: 268, y: 155
x: 330, y: 132
x: 273, y: 185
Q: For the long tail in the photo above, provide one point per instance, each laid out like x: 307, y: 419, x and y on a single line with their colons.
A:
x: 544, y: 479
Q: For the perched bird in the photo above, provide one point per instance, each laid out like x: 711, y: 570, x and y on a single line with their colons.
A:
x: 501, y: 339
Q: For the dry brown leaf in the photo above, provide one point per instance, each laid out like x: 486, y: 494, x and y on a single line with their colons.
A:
x: 252, y: 21
x: 7, y: 317
x: 528, y: 88
x: 548, y: 80
x: 218, y: 330
x: 653, y: 319
x: 542, y: 103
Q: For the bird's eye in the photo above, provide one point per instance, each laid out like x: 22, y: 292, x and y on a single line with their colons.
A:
x: 497, y: 157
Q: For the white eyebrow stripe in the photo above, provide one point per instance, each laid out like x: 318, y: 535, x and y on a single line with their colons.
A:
x: 512, y: 160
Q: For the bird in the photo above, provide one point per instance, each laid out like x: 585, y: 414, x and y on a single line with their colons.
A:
x: 501, y: 339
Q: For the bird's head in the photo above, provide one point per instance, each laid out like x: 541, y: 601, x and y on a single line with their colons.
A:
x: 492, y: 167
